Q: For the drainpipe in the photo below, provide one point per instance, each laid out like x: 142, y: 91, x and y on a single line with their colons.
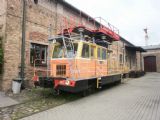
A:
x: 22, y: 76
x: 56, y: 18
x: 141, y: 61
x: 17, y: 87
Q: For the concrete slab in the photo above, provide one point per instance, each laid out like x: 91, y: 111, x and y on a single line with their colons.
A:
x: 6, y: 101
x: 136, y: 99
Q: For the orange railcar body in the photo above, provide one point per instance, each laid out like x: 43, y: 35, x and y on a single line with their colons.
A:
x: 79, y: 68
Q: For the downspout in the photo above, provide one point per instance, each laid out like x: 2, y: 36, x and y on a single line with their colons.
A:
x: 141, y: 61
x: 136, y: 61
x: 56, y: 18
x: 22, y: 75
x: 124, y: 57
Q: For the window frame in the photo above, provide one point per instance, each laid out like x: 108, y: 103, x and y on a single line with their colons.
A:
x: 76, y: 44
x: 92, y: 47
x: 105, y: 54
x: 99, y: 53
x: 120, y: 58
x: 42, y: 47
x: 88, y: 56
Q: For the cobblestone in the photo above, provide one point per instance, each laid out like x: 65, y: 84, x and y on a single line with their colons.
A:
x: 33, y: 105
x: 136, y: 99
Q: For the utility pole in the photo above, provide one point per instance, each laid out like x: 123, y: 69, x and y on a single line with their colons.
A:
x: 22, y: 76
x: 146, y: 36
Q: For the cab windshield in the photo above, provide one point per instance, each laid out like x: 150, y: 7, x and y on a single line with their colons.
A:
x: 60, y: 51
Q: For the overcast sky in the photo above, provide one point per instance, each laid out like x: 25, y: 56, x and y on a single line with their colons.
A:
x: 129, y: 16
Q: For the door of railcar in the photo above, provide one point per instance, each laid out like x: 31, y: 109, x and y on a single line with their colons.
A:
x: 101, y: 64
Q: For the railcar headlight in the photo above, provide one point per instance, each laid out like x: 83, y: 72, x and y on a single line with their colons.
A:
x: 67, y: 82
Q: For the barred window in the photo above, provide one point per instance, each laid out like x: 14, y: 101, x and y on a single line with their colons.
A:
x: 38, y: 54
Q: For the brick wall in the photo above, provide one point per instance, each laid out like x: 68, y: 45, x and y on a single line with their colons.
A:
x: 2, y: 31
x: 11, y: 44
x: 40, y: 17
x: 38, y: 22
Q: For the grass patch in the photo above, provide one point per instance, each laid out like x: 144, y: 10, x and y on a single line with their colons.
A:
x: 39, y: 100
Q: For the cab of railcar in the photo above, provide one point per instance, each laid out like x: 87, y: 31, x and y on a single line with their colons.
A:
x: 78, y: 59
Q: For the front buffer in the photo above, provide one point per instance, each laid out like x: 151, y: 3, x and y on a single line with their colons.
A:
x: 63, y: 84
x: 70, y: 85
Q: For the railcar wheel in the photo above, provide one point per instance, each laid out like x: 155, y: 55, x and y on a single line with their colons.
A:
x: 85, y: 93
x: 119, y: 81
x: 91, y: 89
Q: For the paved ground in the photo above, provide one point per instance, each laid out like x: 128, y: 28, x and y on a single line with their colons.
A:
x: 6, y: 101
x: 136, y: 99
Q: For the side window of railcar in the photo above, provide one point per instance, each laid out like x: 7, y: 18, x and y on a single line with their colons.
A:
x: 85, y: 51
x: 70, y: 51
x: 99, y: 53
x: 75, y: 48
x: 92, y: 52
x: 104, y: 54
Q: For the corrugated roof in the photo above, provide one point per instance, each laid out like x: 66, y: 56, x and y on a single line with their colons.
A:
x: 151, y: 47
x: 127, y: 42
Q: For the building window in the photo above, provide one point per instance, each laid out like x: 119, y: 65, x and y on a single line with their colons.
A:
x: 38, y: 54
x: 85, y: 51
x: 104, y: 54
x: 36, y: 1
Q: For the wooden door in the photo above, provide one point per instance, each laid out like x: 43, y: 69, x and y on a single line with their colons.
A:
x: 150, y: 64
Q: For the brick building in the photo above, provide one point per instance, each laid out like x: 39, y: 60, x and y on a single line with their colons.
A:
x: 151, y: 58
x: 44, y: 18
